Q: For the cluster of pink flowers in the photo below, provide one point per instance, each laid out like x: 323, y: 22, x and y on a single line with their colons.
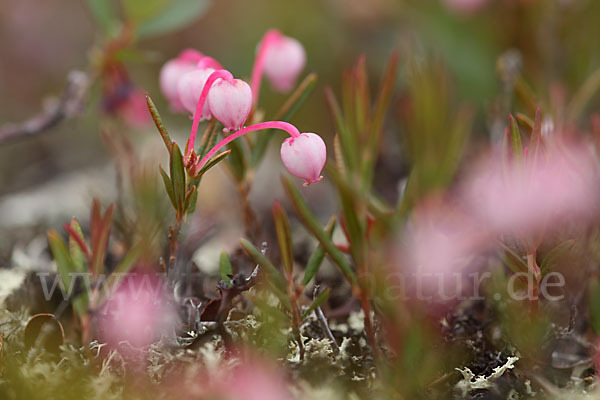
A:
x: 198, y: 84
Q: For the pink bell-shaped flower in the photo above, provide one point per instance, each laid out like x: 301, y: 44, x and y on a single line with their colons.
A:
x: 230, y: 102
x: 304, y: 156
x: 284, y: 60
x: 171, y: 73
x: 189, y: 89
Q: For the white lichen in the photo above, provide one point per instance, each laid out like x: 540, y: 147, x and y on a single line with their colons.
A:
x: 471, y: 381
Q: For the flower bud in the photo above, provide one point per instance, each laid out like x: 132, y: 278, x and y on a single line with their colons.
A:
x: 172, y: 71
x: 304, y: 156
x: 284, y: 61
x: 189, y: 89
x: 230, y: 102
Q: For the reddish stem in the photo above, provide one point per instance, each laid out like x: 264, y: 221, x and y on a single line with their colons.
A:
x: 220, y: 74
x: 270, y: 37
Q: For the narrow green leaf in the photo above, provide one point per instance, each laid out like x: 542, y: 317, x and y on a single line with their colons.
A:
x: 313, y: 226
x: 64, y: 264
x: 75, y: 250
x: 362, y: 98
x: 381, y: 106
x: 159, y: 123
x: 594, y: 304
x: 190, y: 198
x: 515, y: 138
x: 209, y: 138
x: 114, y: 279
x: 225, y: 268
x: 314, y: 263
x: 535, y: 142
x: 318, y: 302
x: 284, y: 237
x: 176, y: 15
x: 104, y: 14
x: 191, y: 204
x: 555, y: 255
x: 141, y: 10
x: 583, y: 96
x: 384, y: 96
x: 272, y: 273
x: 212, y: 162
x: 168, y: 187
x: 130, y: 259
x: 525, y: 120
x: 101, y: 243
x: 352, y: 211
x: 525, y: 94
x: 237, y: 160
x: 513, y: 260
x: 178, y: 177
x: 348, y: 142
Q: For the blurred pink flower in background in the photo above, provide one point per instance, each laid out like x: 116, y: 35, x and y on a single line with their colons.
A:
x: 172, y: 71
x: 284, y: 60
x: 528, y: 197
x: 465, y: 6
x: 134, y: 110
x: 138, y: 312
x: 189, y: 89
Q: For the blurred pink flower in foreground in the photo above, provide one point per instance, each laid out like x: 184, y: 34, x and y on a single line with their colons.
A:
x: 438, y: 246
x: 465, y: 6
x: 249, y: 379
x: 137, y: 312
x: 528, y: 197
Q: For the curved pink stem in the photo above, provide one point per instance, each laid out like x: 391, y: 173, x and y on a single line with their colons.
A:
x: 220, y: 74
x: 271, y: 36
x: 289, y: 128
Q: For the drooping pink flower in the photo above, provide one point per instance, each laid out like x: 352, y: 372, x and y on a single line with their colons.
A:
x: 284, y: 61
x: 189, y: 89
x: 137, y: 312
x: 530, y: 196
x: 304, y: 156
x: 173, y: 70
x: 281, y: 59
x: 230, y: 102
